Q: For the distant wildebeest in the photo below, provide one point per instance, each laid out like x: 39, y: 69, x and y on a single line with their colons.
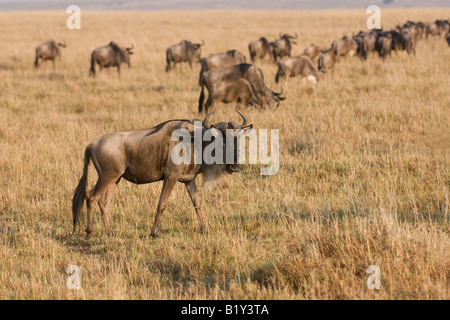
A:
x: 312, y: 51
x: 220, y: 60
x: 327, y: 60
x: 403, y: 41
x: 213, y: 81
x: 384, y: 44
x: 437, y: 28
x: 297, y: 66
x: 49, y: 50
x: 185, y: 51
x: 365, y: 43
x: 283, y: 46
x: 344, y: 47
x: 145, y: 156
x: 259, y: 49
x: 110, y: 55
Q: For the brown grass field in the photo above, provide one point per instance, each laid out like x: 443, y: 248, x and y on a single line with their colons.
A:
x: 364, y: 165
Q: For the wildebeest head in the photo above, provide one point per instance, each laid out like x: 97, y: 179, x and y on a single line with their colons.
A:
x: 196, y: 50
x: 230, y: 131
x: 122, y: 55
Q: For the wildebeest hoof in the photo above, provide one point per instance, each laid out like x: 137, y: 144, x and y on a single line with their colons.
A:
x: 154, y: 235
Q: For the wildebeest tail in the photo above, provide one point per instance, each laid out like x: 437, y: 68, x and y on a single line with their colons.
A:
x: 36, y: 61
x: 252, y: 54
x: 280, y: 72
x: 92, y: 70
x: 168, y: 59
x: 202, y: 97
x: 80, y: 192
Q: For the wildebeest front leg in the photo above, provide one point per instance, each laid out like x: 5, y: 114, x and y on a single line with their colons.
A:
x: 165, y: 192
x: 192, y: 190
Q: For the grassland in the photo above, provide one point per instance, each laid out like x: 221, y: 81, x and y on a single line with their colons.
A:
x: 364, y: 166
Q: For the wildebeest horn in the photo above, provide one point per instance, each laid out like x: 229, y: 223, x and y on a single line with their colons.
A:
x: 278, y: 94
x: 203, y: 42
x: 244, y: 118
x: 296, y: 36
x: 205, y: 121
x: 131, y: 48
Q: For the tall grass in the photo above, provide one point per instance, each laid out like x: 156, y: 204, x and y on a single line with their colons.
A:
x: 364, y: 165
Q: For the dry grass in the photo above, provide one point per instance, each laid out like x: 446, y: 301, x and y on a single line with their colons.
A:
x: 364, y: 166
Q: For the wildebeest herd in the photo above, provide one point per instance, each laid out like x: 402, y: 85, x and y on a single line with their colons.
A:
x: 143, y: 156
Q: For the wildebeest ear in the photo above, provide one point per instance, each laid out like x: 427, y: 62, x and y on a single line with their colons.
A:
x: 281, y: 98
x: 129, y: 52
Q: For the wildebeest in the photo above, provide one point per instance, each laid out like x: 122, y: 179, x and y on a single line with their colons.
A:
x: 49, y: 50
x: 220, y: 60
x: 403, y: 41
x: 344, y: 47
x: 185, y: 51
x: 327, y: 60
x: 259, y: 49
x: 145, y: 156
x: 312, y: 51
x: 447, y: 37
x: 110, y: 55
x: 213, y: 81
x: 240, y: 90
x: 384, y: 44
x: 365, y: 43
x: 283, y: 46
x: 297, y: 66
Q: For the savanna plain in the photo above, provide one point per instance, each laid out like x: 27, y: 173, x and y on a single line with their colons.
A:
x: 363, y: 180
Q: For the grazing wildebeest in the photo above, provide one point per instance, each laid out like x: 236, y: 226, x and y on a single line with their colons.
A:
x: 220, y: 60
x: 327, y: 60
x: 145, y: 156
x: 259, y: 49
x: 213, y: 79
x: 312, y: 51
x: 344, y: 47
x: 185, y: 51
x: 297, y: 66
x: 283, y: 46
x: 240, y: 90
x: 49, y: 50
x: 384, y: 44
x: 110, y: 56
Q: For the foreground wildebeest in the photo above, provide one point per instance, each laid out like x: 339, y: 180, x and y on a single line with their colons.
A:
x: 220, y: 60
x: 297, y: 66
x: 214, y: 80
x: 49, y: 50
x: 145, y: 156
x: 110, y: 56
x: 259, y: 49
x: 312, y: 51
x: 185, y: 51
x: 344, y: 47
x: 283, y: 46
x: 327, y: 60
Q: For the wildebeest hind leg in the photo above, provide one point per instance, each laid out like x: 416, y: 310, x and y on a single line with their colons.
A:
x: 93, y: 196
x: 192, y: 190
x: 104, y: 203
